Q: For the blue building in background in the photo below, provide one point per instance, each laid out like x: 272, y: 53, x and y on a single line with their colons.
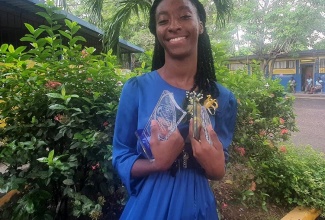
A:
x: 299, y: 65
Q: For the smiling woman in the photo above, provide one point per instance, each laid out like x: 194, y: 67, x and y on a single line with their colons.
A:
x: 178, y: 29
x: 173, y: 183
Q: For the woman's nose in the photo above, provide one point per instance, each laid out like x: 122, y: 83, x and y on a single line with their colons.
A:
x: 174, y: 25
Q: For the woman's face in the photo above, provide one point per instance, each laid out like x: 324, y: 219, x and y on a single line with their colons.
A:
x: 178, y: 28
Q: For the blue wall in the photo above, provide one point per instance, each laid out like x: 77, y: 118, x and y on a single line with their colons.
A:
x: 286, y: 77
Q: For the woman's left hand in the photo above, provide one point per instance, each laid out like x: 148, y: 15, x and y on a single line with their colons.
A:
x: 210, y: 157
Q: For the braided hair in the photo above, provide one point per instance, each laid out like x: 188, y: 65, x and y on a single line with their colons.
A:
x: 205, y: 77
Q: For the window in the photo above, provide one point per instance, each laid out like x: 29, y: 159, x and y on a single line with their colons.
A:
x: 287, y: 64
x: 236, y: 66
x: 280, y: 64
x: 291, y: 64
x: 322, y: 63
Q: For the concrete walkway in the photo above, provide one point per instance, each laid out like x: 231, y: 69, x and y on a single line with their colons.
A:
x: 310, y: 112
x: 303, y: 95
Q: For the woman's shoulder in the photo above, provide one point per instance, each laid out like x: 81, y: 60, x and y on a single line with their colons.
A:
x: 142, y: 79
x: 223, y: 91
x: 225, y: 98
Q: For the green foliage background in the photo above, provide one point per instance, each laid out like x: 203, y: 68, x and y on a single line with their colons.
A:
x: 59, y: 106
x: 281, y: 173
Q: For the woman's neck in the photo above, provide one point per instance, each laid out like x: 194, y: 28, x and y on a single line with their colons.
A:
x: 179, y: 73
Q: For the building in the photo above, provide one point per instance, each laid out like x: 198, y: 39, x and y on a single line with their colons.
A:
x: 14, y: 13
x: 299, y: 65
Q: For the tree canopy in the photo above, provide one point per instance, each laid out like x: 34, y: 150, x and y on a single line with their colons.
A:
x: 256, y: 27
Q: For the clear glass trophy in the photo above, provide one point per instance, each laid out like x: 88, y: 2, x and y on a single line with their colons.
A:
x: 205, y: 123
x: 168, y: 114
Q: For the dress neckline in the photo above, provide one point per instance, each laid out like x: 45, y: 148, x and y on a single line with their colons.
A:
x: 168, y: 84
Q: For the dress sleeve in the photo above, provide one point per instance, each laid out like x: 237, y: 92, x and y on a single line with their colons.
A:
x: 226, y: 121
x: 124, y: 140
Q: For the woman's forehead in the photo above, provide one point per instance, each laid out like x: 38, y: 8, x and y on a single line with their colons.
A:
x: 166, y: 6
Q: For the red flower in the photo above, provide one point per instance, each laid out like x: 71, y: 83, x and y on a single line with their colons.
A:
x: 240, y: 150
x: 224, y: 205
x: 105, y: 124
x: 283, y: 149
x: 95, y: 166
x: 58, y: 118
x: 284, y: 131
x: 52, y: 84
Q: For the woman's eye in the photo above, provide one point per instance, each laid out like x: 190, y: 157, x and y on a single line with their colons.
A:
x: 186, y: 16
x: 161, y: 22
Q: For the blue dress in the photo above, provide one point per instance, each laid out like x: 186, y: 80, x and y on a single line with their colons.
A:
x: 162, y: 196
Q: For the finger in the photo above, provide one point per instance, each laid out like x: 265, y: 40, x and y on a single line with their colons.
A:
x: 202, y: 135
x: 214, y: 137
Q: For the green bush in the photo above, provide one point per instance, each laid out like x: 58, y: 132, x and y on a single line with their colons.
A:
x: 59, y: 107
x: 274, y: 172
x: 294, y: 176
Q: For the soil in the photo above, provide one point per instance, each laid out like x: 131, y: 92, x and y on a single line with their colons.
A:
x: 231, y: 206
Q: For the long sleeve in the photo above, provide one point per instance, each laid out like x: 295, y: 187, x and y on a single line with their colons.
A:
x: 124, y: 141
x: 226, y: 118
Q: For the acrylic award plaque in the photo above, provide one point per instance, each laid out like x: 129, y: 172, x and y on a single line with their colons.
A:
x: 205, y: 123
x: 168, y: 114
x: 200, y: 114
x: 200, y: 119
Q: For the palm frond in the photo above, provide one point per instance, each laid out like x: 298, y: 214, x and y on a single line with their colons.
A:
x: 224, y: 10
x: 95, y: 9
x: 123, y: 14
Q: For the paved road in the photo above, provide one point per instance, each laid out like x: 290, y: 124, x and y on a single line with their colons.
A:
x: 310, y: 119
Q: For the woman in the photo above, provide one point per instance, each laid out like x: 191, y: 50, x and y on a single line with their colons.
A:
x: 175, y: 184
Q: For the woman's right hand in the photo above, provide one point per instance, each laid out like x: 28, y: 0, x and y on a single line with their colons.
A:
x: 165, y: 152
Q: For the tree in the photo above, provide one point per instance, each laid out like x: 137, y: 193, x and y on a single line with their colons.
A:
x: 268, y: 28
x: 123, y: 12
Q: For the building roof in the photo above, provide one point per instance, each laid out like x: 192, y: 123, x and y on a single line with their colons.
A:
x: 29, y: 8
x: 127, y: 46
x: 297, y: 54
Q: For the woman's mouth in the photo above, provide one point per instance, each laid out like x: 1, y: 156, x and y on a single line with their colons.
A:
x: 176, y: 39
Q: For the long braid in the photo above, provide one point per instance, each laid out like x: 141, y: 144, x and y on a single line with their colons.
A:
x: 205, y: 77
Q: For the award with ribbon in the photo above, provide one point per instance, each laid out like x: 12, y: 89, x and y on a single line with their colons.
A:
x: 200, y: 116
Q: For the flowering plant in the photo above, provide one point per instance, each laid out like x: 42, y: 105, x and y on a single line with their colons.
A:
x: 59, y: 119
